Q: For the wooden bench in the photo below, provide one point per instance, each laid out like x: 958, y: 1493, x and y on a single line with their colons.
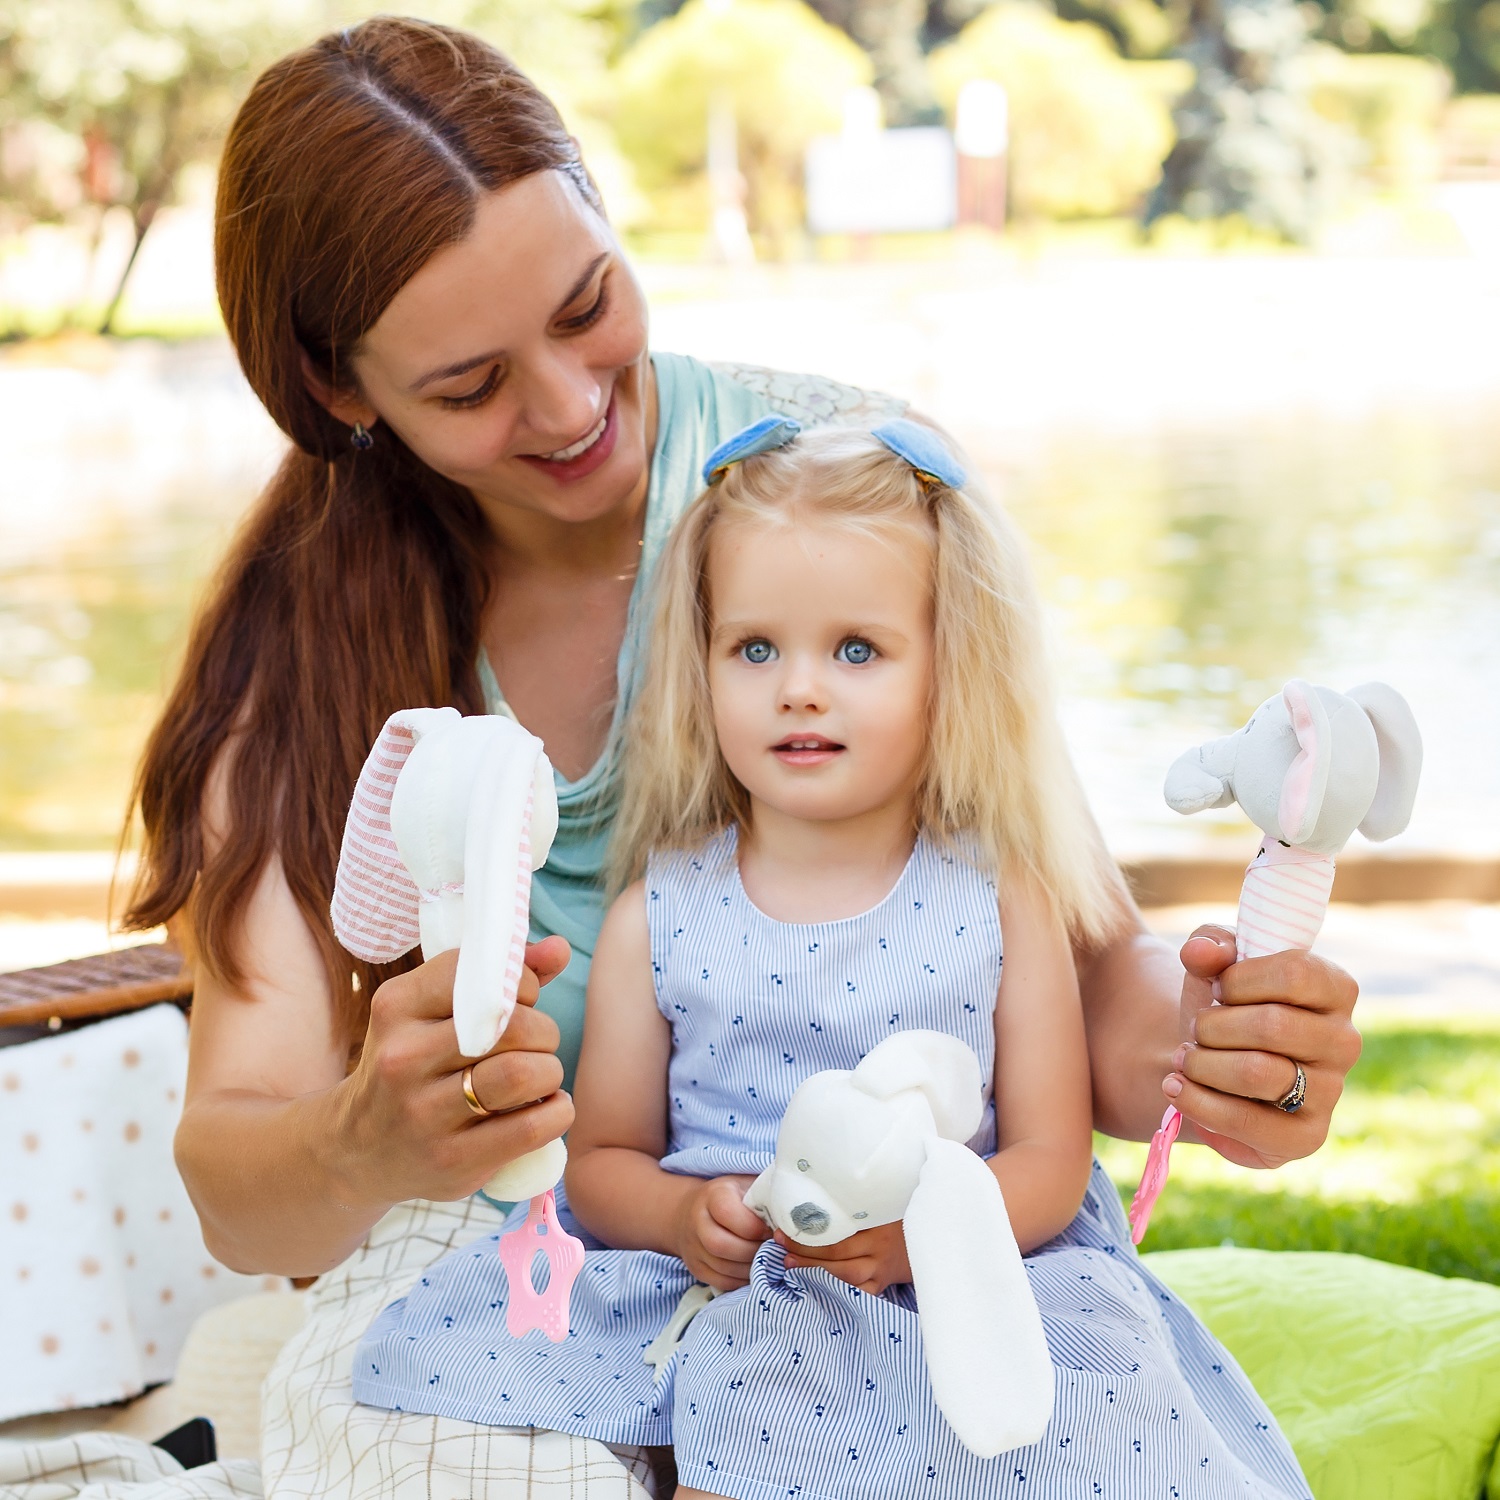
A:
x: 59, y: 997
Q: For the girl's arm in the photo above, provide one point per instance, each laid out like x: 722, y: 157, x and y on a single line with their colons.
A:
x: 1042, y: 1095
x: 615, y: 1183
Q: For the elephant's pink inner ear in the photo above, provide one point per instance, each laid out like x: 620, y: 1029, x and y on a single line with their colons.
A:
x: 1296, y: 789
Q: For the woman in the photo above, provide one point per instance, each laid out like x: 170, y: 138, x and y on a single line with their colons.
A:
x: 423, y: 290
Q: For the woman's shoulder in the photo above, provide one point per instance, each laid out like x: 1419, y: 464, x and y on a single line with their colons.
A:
x: 727, y: 393
x: 814, y: 400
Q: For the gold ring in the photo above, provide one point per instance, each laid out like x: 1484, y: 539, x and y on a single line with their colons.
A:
x: 470, y: 1097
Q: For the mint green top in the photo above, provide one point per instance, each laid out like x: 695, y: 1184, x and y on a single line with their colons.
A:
x: 698, y: 406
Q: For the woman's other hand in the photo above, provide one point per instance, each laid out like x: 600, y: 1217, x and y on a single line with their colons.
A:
x: 1239, y: 1056
x: 871, y: 1260
x: 717, y: 1236
x: 408, y: 1131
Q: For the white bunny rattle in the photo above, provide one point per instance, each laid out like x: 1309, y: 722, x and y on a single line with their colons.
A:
x: 884, y: 1143
x: 450, y: 817
x: 1309, y: 767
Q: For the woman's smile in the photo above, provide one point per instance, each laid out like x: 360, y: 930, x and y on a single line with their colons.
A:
x: 580, y: 459
x: 521, y: 402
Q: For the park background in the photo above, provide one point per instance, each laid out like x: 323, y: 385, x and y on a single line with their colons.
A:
x: 1247, y: 408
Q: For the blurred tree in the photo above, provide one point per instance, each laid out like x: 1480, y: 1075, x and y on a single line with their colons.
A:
x: 891, y: 33
x: 138, y: 89
x: 780, y: 71
x: 1391, y: 105
x: 1088, y: 129
x: 1248, y: 144
x: 1464, y: 35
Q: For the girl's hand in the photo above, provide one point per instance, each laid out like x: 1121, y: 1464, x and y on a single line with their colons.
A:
x: 717, y: 1236
x: 872, y: 1260
x: 1239, y: 1055
x: 407, y: 1130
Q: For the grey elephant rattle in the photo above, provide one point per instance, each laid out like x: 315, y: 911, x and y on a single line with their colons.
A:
x: 1309, y: 768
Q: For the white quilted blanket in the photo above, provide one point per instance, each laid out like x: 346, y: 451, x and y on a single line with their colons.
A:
x: 315, y: 1442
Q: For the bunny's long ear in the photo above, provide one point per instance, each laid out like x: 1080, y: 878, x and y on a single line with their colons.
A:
x: 514, y: 795
x: 986, y: 1351
x: 1400, y: 743
x: 374, y: 906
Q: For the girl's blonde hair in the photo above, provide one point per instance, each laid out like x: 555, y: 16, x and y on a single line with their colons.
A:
x: 998, y: 772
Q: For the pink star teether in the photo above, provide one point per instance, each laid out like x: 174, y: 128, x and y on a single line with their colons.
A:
x: 527, y: 1307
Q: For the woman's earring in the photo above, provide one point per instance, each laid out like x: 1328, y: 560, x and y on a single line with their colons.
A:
x: 361, y: 438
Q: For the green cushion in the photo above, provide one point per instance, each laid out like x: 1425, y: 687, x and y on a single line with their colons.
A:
x: 1385, y: 1380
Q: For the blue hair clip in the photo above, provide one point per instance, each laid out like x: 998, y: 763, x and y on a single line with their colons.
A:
x: 770, y: 432
x: 924, y: 450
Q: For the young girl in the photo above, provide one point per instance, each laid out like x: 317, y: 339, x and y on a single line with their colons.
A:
x: 845, y: 767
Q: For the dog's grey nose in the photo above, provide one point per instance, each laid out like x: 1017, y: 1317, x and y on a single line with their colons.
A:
x: 810, y: 1219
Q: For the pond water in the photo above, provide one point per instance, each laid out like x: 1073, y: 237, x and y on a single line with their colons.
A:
x: 1195, y: 554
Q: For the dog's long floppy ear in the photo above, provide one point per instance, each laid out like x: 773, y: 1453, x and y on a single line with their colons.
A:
x: 940, y: 1067
x: 511, y: 823
x: 986, y: 1351
x: 1400, y: 743
x: 374, y: 906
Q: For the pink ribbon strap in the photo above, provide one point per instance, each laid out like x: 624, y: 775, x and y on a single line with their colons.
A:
x: 1154, y: 1178
x: 527, y: 1307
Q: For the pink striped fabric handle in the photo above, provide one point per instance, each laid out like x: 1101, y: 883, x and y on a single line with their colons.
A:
x: 1283, y: 901
x: 374, y: 905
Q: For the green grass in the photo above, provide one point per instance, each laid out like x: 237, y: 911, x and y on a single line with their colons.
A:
x: 1410, y: 1172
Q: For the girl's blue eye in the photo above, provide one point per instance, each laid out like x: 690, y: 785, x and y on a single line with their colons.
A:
x: 856, y: 652
x: 758, y: 652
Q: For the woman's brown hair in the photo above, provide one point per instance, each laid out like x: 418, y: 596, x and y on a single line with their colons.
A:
x: 357, y: 584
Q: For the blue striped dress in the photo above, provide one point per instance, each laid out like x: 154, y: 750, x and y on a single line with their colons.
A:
x: 799, y: 1385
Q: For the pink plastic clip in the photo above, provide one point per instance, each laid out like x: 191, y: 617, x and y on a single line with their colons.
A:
x: 529, y: 1308
x: 1154, y: 1178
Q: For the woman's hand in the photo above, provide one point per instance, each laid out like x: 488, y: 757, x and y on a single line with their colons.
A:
x: 408, y: 1131
x: 1240, y: 1055
x: 871, y: 1260
x: 717, y: 1236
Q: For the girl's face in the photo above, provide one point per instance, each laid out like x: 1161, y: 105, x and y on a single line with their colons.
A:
x: 514, y: 362
x: 820, y: 665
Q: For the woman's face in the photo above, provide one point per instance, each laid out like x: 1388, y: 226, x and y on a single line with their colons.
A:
x: 514, y: 362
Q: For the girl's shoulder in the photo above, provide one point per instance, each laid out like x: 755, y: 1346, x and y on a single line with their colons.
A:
x: 957, y: 856
x: 708, y: 862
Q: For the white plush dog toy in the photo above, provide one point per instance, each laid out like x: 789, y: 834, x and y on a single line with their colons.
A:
x: 885, y: 1143
x: 1309, y: 768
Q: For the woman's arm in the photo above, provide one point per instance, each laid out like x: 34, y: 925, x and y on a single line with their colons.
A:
x: 1142, y: 1002
x: 615, y: 1182
x: 288, y: 1160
